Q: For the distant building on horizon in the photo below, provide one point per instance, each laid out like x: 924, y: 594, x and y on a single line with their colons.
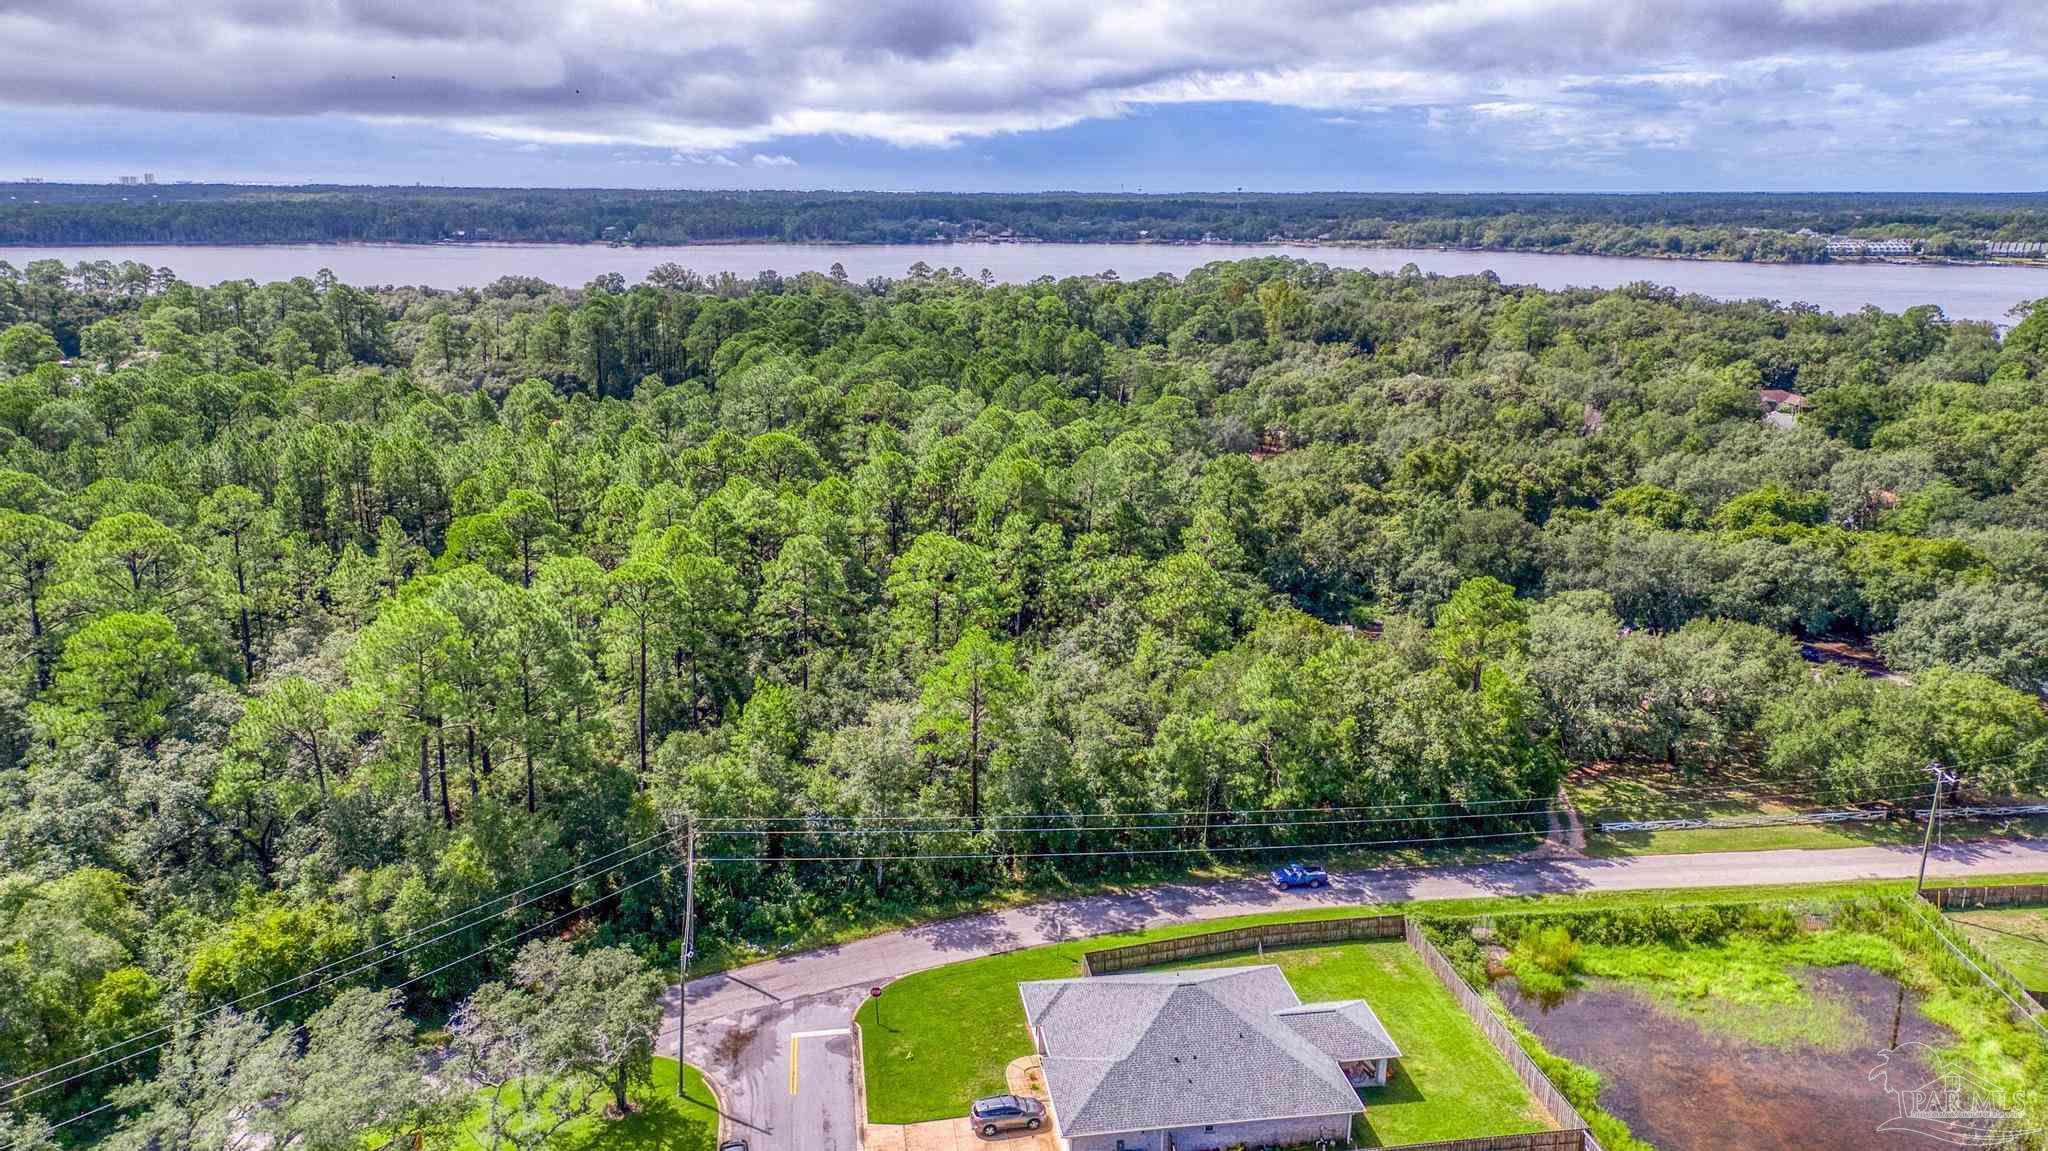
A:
x: 1849, y: 246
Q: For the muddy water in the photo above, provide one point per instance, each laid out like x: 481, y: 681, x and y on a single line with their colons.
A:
x: 1686, y: 1089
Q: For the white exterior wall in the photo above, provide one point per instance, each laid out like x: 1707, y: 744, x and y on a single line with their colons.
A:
x: 1268, y: 1133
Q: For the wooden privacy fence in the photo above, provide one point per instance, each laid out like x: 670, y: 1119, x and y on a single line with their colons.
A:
x: 1503, y: 1040
x: 1574, y: 1140
x: 1964, y: 898
x: 1572, y: 1136
x: 2025, y: 1000
x: 1110, y: 960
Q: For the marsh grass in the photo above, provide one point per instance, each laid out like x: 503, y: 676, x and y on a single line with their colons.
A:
x: 1749, y: 973
x: 1758, y: 992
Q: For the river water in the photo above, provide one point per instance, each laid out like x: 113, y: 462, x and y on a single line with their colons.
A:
x: 1969, y: 292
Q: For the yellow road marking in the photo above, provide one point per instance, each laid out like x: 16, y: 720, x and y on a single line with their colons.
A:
x: 797, y: 1037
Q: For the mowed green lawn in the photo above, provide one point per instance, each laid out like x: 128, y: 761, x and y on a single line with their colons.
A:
x: 943, y: 1036
x: 1449, y: 1082
x: 1632, y: 794
x: 659, y: 1122
x: 2016, y: 937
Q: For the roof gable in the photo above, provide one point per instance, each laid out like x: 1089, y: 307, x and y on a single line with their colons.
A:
x: 1177, y: 1049
x: 1345, y: 1029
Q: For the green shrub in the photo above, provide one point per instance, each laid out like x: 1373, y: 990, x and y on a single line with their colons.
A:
x: 1770, y: 923
x: 1678, y: 925
x: 1544, y: 963
x: 1552, y: 951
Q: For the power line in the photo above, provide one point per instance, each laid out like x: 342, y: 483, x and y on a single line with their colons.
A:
x: 897, y: 857
x: 338, y: 962
x: 1107, y: 852
x: 1352, y: 843
x: 649, y: 878
x: 328, y: 982
x: 2027, y: 1011
x: 1253, y: 824
x: 829, y: 825
x: 398, y: 946
x: 514, y: 938
x: 1246, y: 826
x: 2007, y: 932
x: 865, y: 858
x: 1107, y: 814
x: 66, y: 1122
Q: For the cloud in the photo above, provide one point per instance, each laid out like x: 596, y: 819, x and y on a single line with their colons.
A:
x: 702, y: 78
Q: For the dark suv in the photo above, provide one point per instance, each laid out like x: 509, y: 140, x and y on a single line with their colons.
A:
x: 1006, y: 1113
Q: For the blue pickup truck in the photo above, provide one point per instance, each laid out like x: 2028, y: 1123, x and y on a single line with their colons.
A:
x: 1290, y: 875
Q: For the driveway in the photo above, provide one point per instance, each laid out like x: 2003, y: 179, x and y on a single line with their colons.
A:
x: 742, y: 1022
x: 959, y: 1134
x: 953, y: 1135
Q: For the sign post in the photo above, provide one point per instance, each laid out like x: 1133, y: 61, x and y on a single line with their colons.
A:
x: 875, y: 993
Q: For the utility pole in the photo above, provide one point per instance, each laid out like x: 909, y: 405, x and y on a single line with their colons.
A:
x: 689, y: 942
x: 1942, y: 779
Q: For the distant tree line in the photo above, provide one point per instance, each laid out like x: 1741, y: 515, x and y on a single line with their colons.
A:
x: 1739, y: 226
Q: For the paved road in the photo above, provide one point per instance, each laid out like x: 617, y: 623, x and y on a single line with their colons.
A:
x: 784, y: 1071
x: 741, y: 1021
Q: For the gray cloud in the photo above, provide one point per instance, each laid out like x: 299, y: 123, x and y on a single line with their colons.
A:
x: 1600, y: 76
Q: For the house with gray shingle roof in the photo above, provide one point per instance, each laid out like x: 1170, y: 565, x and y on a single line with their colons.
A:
x: 1203, y: 1059
x: 1346, y: 1030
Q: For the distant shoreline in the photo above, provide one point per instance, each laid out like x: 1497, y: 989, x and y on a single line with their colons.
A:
x: 1306, y: 245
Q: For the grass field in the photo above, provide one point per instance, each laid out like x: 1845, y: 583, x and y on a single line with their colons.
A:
x: 1622, y: 793
x: 945, y: 1035
x: 1449, y: 1082
x: 2016, y: 937
x: 659, y: 1122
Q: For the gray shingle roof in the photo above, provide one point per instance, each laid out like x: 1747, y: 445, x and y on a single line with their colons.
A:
x: 1346, y: 1030
x: 1153, y: 1050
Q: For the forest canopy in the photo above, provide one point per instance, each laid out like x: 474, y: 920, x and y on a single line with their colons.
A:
x: 330, y: 612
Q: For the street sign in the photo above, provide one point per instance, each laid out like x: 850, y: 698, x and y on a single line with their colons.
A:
x: 874, y: 993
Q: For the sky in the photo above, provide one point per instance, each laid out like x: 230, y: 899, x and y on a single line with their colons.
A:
x: 1023, y: 95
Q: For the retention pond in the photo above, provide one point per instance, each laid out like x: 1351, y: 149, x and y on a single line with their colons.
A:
x: 1684, y: 1087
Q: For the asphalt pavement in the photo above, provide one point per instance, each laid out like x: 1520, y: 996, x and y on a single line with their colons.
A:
x: 784, y: 1071
x: 744, y: 1024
